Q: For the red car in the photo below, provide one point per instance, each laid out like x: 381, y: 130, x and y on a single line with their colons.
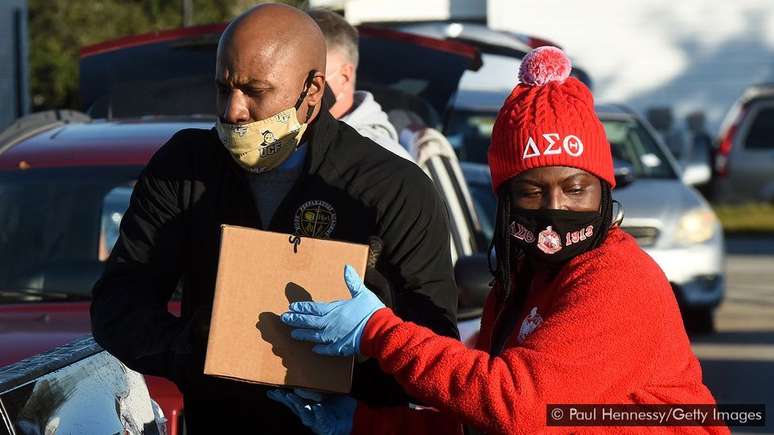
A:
x: 66, y: 178
x: 63, y: 193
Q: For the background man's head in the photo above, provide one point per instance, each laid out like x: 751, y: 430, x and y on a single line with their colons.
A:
x: 342, y: 57
x: 265, y: 57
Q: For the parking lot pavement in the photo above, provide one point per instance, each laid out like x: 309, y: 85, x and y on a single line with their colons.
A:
x: 738, y: 360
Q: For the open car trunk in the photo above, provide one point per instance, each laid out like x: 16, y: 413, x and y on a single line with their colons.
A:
x: 172, y: 73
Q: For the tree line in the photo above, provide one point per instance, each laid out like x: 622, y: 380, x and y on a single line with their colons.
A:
x: 59, y: 28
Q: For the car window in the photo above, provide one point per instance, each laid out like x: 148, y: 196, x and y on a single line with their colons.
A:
x: 462, y: 193
x: 442, y: 181
x: 631, y: 143
x: 57, y: 227
x: 470, y: 132
x: 436, y: 157
x: 114, y: 206
x: 486, y: 206
x: 760, y: 136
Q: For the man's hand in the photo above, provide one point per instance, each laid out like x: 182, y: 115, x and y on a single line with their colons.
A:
x: 323, y: 414
x: 336, y: 326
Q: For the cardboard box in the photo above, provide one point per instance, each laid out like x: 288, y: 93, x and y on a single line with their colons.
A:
x: 259, y: 274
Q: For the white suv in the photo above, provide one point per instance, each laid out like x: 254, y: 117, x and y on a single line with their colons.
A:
x: 744, y: 161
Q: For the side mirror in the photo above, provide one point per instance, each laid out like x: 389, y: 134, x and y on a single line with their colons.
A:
x: 696, y: 173
x: 473, y: 278
x: 624, y: 173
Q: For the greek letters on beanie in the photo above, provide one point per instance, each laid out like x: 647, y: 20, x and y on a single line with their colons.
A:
x: 548, y: 120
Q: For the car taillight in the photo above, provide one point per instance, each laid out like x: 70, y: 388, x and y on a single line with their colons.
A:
x: 724, y: 149
x: 535, y: 42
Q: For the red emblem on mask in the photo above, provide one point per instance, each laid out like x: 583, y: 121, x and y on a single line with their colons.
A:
x: 549, y: 241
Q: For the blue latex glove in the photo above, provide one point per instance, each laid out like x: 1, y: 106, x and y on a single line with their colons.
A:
x: 323, y: 414
x: 336, y: 326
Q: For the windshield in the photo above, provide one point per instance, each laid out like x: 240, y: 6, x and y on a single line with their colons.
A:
x: 57, y: 228
x: 469, y: 132
x: 633, y: 144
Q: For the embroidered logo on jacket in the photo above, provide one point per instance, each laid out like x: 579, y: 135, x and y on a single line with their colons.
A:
x: 530, y: 323
x: 549, y: 241
x: 315, y: 219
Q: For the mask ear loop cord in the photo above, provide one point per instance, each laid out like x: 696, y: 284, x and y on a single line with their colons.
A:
x: 310, y: 109
x: 307, y: 84
x: 618, y: 215
x: 606, y: 211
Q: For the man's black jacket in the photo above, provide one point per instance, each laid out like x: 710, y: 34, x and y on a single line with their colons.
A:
x: 351, y: 189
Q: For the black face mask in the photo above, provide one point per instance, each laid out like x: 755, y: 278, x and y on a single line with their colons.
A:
x: 555, y: 236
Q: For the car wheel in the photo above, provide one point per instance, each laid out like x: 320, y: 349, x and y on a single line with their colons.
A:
x: 699, y: 321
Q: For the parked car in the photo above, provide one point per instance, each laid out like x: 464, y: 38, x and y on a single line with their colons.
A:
x: 76, y: 389
x: 694, y: 157
x: 66, y: 178
x: 669, y: 219
x: 744, y: 160
x: 63, y: 192
x: 501, y: 51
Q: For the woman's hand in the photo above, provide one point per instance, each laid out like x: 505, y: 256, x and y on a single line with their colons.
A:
x: 336, y: 326
x: 323, y: 414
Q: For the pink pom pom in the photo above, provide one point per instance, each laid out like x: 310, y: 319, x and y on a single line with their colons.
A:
x: 543, y: 65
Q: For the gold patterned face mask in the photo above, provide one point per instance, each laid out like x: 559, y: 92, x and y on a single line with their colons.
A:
x: 263, y: 145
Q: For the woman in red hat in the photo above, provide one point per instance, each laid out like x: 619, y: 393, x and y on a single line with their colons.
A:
x: 578, y: 313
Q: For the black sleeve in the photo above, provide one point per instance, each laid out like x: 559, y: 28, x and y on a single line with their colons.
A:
x: 417, y: 245
x: 416, y: 261
x: 129, y: 314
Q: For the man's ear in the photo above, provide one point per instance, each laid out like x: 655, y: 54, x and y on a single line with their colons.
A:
x: 316, y: 87
x: 348, y: 73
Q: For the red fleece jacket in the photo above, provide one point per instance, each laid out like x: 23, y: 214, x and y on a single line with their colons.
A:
x: 605, y: 329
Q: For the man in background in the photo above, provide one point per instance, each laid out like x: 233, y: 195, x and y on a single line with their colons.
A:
x: 356, y: 108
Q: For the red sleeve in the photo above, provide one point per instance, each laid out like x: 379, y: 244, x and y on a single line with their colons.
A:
x: 599, y: 341
x: 403, y: 420
x: 488, y: 316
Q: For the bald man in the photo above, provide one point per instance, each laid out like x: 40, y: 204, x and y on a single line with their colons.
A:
x: 275, y: 157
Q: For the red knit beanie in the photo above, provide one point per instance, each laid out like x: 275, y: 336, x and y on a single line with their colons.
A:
x: 548, y: 120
